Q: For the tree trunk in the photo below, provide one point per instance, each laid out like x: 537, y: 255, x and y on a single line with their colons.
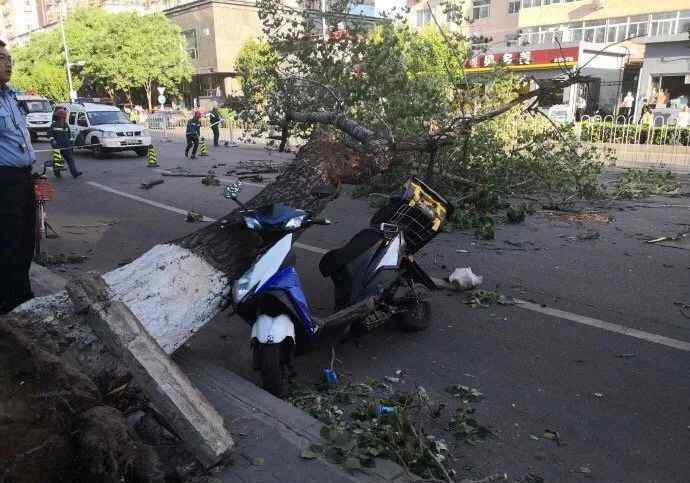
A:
x: 177, y: 287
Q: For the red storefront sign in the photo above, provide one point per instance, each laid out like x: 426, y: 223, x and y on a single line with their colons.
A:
x: 525, y: 59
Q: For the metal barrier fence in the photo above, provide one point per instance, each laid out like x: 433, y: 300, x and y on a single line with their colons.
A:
x: 655, y: 142
x: 175, y: 127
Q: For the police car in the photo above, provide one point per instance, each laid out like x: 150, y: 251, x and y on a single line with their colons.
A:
x: 38, y: 113
x: 103, y: 129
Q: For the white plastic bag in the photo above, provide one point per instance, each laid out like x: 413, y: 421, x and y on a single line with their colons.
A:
x: 464, y: 279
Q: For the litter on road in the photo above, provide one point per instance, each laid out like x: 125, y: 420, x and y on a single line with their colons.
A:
x: 464, y: 279
x: 147, y: 185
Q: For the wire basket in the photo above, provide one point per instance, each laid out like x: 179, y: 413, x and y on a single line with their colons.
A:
x: 43, y: 189
x: 416, y: 225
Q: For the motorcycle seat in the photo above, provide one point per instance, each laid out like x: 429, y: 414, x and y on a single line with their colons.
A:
x: 336, y: 259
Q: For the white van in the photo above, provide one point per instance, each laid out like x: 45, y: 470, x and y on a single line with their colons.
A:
x: 38, y: 113
x: 104, y: 129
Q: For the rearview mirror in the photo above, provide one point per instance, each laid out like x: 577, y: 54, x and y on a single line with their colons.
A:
x: 232, y: 190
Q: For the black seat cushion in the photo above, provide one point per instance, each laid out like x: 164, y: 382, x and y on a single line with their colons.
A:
x: 336, y: 259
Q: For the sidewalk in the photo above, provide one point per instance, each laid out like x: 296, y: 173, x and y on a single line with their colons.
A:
x: 269, y: 433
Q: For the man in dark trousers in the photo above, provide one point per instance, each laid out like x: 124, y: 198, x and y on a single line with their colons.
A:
x: 215, y: 125
x: 17, y: 205
x: 193, y: 133
x: 59, y: 131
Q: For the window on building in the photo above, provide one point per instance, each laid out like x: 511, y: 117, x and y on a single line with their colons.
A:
x: 637, y: 26
x: 480, y: 8
x: 532, y: 3
x: 514, y: 6
x: 423, y: 17
x: 684, y: 22
x: 663, y: 23
x: 190, y: 38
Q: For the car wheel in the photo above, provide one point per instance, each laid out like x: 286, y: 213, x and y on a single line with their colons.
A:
x: 97, y: 150
x: 141, y: 151
x: 34, y: 136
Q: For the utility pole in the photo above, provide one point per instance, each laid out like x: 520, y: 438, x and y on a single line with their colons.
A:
x: 323, y: 19
x: 72, y: 95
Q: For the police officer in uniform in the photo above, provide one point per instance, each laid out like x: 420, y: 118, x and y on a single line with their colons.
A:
x: 193, y: 134
x: 17, y: 204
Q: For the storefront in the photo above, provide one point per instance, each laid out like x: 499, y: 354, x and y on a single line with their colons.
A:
x: 664, y: 83
x: 601, y: 92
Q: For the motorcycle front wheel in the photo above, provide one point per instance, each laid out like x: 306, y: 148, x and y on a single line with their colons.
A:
x: 268, y: 362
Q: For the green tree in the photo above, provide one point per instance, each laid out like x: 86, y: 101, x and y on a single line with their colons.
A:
x: 402, y: 96
x: 118, y: 54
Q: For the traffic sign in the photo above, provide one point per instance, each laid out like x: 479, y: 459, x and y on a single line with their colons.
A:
x: 161, y: 90
x: 161, y: 99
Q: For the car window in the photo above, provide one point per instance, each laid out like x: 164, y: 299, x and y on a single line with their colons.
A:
x: 81, y: 120
x: 72, y: 117
x: 35, y: 106
x: 108, y: 117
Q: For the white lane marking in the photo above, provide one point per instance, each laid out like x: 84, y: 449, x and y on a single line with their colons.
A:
x: 619, y: 329
x: 142, y: 200
x: 310, y: 248
x: 561, y: 314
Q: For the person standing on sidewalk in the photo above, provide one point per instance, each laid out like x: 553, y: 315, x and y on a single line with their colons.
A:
x: 60, y: 133
x: 193, y: 134
x: 17, y: 200
x: 215, y: 125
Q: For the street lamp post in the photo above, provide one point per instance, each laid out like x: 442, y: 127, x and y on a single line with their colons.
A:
x: 72, y: 94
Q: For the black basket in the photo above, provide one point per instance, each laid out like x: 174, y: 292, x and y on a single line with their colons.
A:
x: 419, y: 213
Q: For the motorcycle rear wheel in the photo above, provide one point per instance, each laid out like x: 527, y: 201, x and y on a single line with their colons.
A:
x: 268, y: 358
x: 417, y: 315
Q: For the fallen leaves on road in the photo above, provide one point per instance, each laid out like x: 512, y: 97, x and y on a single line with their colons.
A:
x: 372, y: 420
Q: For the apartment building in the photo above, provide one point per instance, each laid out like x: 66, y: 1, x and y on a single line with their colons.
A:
x: 17, y: 17
x: 486, y: 22
x: 216, y: 30
x: 654, y: 35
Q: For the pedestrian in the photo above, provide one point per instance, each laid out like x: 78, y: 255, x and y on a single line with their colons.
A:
x: 61, y: 139
x: 193, y: 133
x: 17, y: 200
x: 215, y: 125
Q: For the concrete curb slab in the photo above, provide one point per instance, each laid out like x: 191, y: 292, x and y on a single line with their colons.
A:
x: 271, y: 430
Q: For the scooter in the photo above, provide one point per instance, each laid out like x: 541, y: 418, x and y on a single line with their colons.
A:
x: 375, y: 276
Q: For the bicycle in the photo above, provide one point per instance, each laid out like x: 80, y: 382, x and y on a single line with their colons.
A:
x: 43, y: 191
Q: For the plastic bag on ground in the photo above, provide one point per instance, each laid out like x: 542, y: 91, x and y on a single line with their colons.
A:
x: 464, y: 279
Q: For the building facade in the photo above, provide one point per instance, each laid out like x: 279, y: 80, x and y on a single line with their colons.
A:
x: 485, y: 22
x: 17, y: 17
x: 216, y: 30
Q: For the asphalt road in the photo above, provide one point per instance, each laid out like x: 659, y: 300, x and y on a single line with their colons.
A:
x: 621, y: 404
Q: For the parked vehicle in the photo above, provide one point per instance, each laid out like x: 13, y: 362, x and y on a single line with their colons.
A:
x: 104, y: 129
x: 38, y: 113
x: 375, y: 277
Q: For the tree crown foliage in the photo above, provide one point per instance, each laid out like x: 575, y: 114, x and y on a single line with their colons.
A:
x: 113, y: 53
